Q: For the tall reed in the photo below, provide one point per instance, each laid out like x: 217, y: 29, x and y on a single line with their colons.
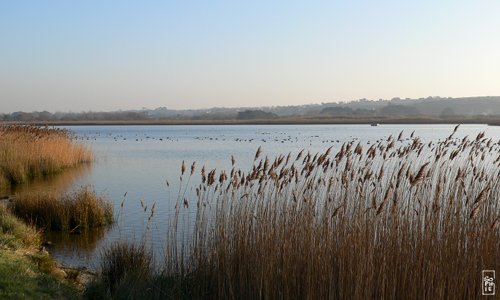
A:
x: 397, y: 220
x: 27, y: 152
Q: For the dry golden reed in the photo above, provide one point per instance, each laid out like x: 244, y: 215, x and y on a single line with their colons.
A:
x: 27, y: 152
x: 74, y: 212
x: 402, y: 219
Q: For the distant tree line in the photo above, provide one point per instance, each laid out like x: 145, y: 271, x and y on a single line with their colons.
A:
x: 82, y: 116
x: 430, y: 106
x: 255, y: 114
x: 388, y: 110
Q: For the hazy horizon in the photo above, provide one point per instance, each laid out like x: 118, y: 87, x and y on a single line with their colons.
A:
x: 112, y: 55
x: 247, y: 107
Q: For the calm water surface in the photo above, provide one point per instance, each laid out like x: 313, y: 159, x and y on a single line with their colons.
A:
x: 138, y: 160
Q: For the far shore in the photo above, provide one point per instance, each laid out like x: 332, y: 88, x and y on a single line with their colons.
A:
x: 302, y: 120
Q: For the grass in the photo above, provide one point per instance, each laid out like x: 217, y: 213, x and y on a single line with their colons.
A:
x: 28, y: 152
x: 25, y: 271
x: 14, y: 234
x: 21, y: 279
x: 81, y: 210
x: 402, y: 218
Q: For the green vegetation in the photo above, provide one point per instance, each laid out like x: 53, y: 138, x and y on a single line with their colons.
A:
x: 81, y: 210
x: 25, y: 271
x: 399, y: 219
x: 20, y: 278
x: 28, y: 152
x: 255, y: 114
x: 14, y: 234
x: 338, y: 111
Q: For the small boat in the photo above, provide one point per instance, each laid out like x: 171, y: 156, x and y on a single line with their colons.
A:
x: 374, y: 124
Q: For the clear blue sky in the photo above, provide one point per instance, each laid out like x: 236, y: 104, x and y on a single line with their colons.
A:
x: 108, y: 55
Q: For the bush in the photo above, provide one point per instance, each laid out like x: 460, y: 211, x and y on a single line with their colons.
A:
x: 126, y: 273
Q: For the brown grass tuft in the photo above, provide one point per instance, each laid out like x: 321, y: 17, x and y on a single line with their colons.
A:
x: 81, y: 210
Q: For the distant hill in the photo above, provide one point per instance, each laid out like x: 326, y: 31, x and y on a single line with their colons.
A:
x: 430, y: 107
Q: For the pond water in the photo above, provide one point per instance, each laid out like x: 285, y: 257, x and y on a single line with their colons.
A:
x: 139, y: 160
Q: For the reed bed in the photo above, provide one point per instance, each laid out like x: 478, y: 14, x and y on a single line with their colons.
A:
x: 28, y: 152
x: 396, y: 219
x: 73, y: 212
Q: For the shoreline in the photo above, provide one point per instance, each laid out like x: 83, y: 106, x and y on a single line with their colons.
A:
x: 27, y: 268
x: 278, y: 121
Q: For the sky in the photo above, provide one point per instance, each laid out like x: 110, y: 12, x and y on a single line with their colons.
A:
x: 99, y: 55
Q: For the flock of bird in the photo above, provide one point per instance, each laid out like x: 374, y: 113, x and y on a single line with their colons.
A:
x: 277, y: 138
x: 257, y: 138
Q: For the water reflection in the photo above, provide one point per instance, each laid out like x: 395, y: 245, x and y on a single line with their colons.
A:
x: 68, y: 248
x: 59, y: 183
x: 77, y: 246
